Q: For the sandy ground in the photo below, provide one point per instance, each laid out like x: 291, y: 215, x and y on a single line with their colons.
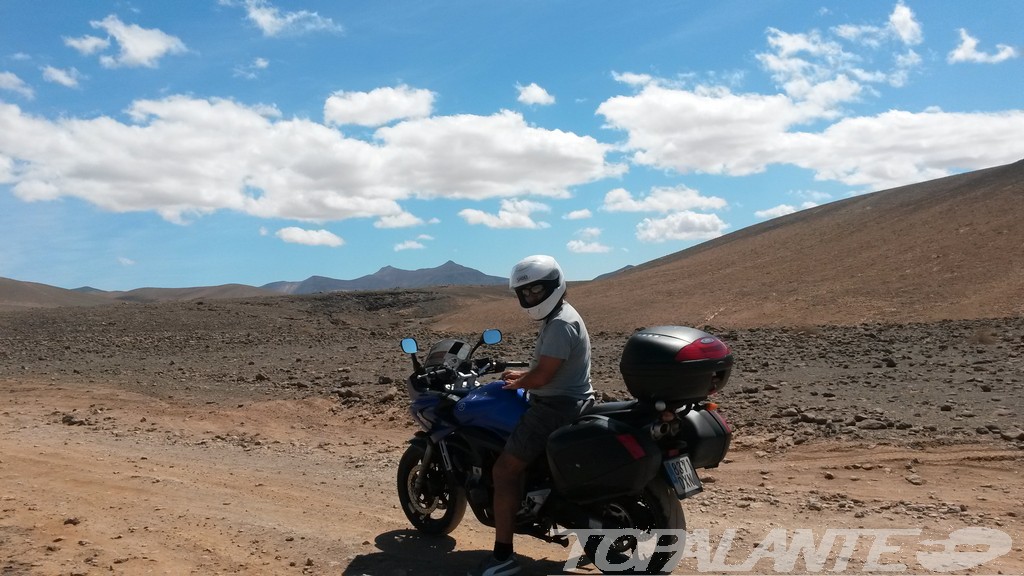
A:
x: 95, y: 479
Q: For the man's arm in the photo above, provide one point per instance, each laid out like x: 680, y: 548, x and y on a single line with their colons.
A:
x: 535, y: 377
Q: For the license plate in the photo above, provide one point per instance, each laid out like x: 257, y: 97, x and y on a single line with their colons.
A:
x: 683, y: 476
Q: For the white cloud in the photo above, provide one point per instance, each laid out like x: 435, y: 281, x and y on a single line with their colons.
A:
x: 10, y: 81
x: 425, y: 237
x: 272, y: 22
x: 582, y: 247
x: 968, y: 51
x: 378, y: 107
x: 906, y: 27
x: 901, y: 26
x: 582, y: 214
x: 125, y: 261
x: 469, y: 156
x: 632, y: 78
x: 534, y: 95
x: 88, y: 45
x: 295, y: 235
x: 251, y: 70
x: 67, y: 78
x: 409, y: 245
x: 782, y: 210
x: 138, y: 46
x: 400, y: 220
x: 713, y: 130
x: 512, y: 214
x: 684, y: 225
x: 661, y: 200
x: 587, y: 242
x: 811, y: 195
x: 180, y: 157
x: 897, y: 148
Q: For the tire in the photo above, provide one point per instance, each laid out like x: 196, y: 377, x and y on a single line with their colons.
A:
x: 438, y: 507
x: 657, y: 508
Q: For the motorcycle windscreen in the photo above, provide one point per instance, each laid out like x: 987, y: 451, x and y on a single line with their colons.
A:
x: 492, y: 408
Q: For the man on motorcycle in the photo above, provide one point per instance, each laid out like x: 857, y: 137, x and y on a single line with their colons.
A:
x: 558, y: 381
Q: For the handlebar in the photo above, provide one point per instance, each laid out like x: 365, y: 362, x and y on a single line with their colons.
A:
x: 440, y: 377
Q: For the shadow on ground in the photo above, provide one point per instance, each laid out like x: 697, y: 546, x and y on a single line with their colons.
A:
x: 410, y: 553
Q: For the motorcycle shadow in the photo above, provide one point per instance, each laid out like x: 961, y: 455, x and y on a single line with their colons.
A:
x: 411, y: 553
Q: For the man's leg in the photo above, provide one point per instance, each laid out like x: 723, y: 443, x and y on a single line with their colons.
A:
x: 508, y: 475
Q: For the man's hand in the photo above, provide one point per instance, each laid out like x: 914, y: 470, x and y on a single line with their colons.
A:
x: 535, y: 377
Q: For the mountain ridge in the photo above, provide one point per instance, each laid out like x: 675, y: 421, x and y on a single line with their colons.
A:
x: 18, y: 294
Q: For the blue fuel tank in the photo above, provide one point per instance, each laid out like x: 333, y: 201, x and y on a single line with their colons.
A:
x: 492, y: 408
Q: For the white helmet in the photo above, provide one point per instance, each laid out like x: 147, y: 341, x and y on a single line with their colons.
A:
x: 539, y: 283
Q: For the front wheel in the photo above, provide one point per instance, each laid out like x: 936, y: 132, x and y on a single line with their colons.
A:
x: 436, y: 506
x: 655, y: 512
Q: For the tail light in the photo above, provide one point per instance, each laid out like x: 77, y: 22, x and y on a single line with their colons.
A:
x: 707, y: 348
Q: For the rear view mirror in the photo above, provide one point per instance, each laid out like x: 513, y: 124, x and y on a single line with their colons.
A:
x: 409, y: 345
x: 492, y: 336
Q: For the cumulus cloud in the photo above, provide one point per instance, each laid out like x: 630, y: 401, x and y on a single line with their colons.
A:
x: 295, y: 235
x: 478, y: 157
x: 586, y: 242
x: 901, y: 26
x: 409, y: 245
x: 512, y: 214
x: 661, y: 200
x: 67, y: 78
x: 582, y: 214
x: 378, y: 107
x: 137, y: 46
x: 9, y: 81
x: 713, y: 129
x: 87, y: 45
x: 782, y: 210
x: 179, y: 156
x: 273, y: 22
x: 534, y: 95
x: 632, y: 78
x: 401, y: 220
x: 685, y: 225
x: 968, y: 51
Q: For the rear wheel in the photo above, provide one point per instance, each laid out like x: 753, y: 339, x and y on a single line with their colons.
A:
x: 655, y: 513
x: 437, y: 506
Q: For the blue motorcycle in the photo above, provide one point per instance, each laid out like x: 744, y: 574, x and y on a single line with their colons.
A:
x: 611, y: 477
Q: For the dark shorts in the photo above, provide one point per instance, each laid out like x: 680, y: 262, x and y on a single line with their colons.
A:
x: 544, y: 416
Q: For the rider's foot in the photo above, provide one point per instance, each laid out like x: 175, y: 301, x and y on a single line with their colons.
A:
x: 491, y: 566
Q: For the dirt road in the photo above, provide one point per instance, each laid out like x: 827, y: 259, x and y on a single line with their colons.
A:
x: 95, y: 479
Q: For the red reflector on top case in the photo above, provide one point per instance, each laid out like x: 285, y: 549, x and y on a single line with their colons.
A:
x: 707, y: 348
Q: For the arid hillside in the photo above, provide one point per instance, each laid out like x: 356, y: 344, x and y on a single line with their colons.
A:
x: 951, y: 248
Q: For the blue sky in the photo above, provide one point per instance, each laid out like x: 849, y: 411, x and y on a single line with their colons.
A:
x: 175, y: 144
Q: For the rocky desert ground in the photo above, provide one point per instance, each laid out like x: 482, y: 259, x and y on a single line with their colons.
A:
x: 262, y: 435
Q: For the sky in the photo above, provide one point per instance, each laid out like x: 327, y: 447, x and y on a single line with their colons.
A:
x: 174, y: 144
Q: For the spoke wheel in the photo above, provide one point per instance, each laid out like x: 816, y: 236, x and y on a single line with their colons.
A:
x: 437, y: 506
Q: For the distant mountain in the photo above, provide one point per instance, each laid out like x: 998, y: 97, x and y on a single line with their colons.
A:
x: 389, y: 277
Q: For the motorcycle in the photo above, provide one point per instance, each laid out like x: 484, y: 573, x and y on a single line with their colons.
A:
x: 614, y: 477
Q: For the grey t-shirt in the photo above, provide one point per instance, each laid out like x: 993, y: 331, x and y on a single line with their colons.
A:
x: 564, y: 336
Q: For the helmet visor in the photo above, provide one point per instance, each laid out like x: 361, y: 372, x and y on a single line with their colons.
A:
x: 534, y: 293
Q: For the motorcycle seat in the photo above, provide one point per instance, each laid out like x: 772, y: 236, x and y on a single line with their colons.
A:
x: 609, y: 407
